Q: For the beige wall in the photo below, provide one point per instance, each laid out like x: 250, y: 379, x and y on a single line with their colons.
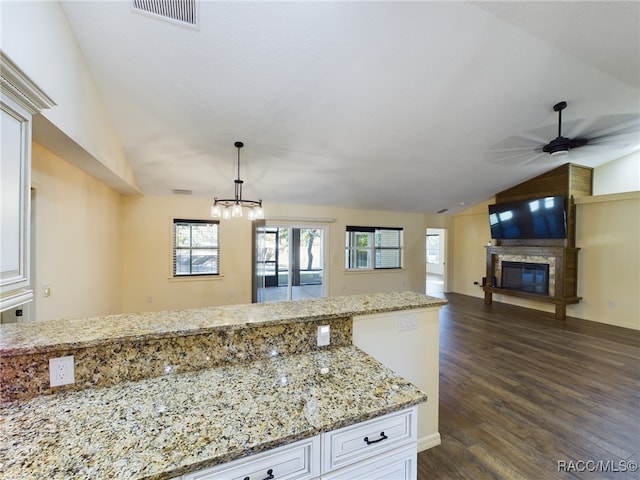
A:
x: 77, y: 227
x: 622, y: 175
x: 608, y: 235
x: 147, y: 284
x: 469, y: 235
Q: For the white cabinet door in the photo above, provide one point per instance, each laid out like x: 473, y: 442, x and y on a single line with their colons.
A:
x: 297, y: 461
x: 15, y: 169
x: 399, y: 464
x: 19, y: 100
x: 14, y: 126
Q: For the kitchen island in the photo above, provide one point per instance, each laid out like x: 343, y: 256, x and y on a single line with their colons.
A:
x: 261, y: 392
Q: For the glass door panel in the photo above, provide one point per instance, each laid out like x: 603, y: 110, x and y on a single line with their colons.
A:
x: 283, y: 258
x: 295, y: 263
x: 258, y: 262
x: 308, y: 274
x: 270, y: 257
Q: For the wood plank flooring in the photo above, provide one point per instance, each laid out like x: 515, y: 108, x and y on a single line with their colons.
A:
x: 526, y: 396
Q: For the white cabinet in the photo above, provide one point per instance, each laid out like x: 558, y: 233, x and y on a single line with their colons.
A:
x: 364, y: 440
x: 20, y: 99
x: 399, y: 464
x: 296, y: 461
x: 383, y: 448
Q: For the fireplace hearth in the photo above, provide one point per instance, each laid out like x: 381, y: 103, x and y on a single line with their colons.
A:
x: 526, y: 277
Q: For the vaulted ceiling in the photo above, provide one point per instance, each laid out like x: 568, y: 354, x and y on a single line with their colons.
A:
x: 407, y: 106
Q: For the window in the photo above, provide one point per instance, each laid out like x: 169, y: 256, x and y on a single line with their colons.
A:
x: 370, y: 248
x: 433, y: 248
x: 196, y: 249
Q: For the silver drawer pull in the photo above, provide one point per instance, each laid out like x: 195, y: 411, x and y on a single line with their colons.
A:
x: 382, y: 437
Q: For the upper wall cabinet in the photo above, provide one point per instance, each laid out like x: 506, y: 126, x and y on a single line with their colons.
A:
x: 20, y: 100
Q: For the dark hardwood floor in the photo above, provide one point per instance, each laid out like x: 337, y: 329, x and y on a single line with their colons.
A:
x: 526, y: 396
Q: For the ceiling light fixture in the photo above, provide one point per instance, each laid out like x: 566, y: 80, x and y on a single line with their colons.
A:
x: 233, y: 207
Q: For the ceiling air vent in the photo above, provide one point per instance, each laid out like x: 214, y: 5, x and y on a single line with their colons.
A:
x: 181, y: 191
x: 181, y: 11
x: 442, y: 211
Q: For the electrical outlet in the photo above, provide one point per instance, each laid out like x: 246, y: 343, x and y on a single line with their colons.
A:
x: 61, y: 371
x: 324, y: 335
x: 407, y: 323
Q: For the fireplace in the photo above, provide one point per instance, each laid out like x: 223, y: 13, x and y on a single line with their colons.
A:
x: 559, y: 264
x: 526, y: 277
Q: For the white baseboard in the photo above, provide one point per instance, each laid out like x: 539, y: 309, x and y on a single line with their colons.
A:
x: 429, y: 441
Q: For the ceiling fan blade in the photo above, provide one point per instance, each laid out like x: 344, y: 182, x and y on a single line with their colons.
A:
x: 517, y: 142
x: 516, y: 150
x: 609, y: 125
x: 592, y: 155
x: 512, y: 157
x: 615, y: 142
x: 578, y: 142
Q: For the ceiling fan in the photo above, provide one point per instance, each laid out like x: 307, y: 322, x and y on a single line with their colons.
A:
x: 599, y: 140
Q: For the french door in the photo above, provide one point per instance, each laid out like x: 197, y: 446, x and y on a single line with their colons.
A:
x: 290, y: 263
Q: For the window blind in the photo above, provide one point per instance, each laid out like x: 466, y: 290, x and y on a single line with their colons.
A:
x: 196, y: 249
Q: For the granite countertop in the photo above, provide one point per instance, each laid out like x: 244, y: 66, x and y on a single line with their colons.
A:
x: 167, y: 426
x: 29, y: 338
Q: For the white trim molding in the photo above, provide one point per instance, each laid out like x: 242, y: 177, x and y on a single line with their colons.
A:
x: 429, y: 441
x: 24, y: 91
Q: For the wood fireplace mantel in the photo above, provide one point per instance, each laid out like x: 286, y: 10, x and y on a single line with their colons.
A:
x: 565, y: 262
x: 571, y: 181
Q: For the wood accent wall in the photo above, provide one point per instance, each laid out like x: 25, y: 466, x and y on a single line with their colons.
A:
x: 569, y: 180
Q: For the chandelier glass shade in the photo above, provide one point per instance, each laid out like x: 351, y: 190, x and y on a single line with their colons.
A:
x: 227, y: 208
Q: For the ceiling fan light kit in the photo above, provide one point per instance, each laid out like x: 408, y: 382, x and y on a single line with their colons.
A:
x: 227, y: 208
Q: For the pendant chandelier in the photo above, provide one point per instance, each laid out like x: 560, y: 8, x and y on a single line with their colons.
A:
x: 226, y: 208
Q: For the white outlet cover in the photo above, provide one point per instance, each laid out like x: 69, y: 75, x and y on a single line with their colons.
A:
x: 407, y: 323
x: 61, y: 371
x: 324, y: 335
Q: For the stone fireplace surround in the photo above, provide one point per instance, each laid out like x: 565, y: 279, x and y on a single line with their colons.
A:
x: 562, y: 262
x: 545, y: 260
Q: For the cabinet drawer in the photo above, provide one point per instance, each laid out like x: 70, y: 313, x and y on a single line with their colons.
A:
x: 351, y: 444
x: 300, y: 460
x: 400, y: 464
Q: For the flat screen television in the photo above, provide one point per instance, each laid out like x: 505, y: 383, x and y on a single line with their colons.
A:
x: 535, y: 218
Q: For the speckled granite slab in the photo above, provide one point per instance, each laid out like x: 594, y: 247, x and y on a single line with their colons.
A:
x: 177, y: 423
x: 117, y: 348
x: 58, y: 334
x: 99, y: 365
